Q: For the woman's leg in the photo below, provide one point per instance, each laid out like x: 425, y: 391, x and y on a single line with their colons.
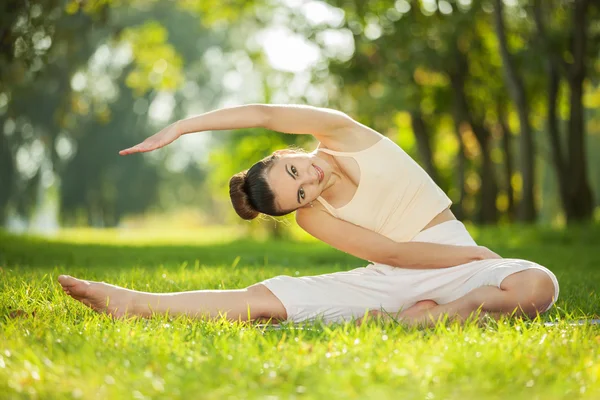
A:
x: 252, y: 303
x: 528, y: 292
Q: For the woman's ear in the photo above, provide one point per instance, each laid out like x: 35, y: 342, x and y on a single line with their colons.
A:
x: 308, y: 205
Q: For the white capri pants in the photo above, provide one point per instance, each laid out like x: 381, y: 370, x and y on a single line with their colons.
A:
x: 349, y: 294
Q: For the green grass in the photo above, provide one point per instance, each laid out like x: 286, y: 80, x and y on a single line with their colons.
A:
x: 56, y: 348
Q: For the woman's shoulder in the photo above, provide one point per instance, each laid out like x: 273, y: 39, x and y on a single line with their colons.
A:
x: 351, y: 141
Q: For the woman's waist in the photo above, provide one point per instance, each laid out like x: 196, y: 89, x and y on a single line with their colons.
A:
x: 446, y: 229
x: 442, y: 217
x: 407, y: 229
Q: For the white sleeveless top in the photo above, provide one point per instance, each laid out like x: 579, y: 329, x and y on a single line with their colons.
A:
x: 395, y: 196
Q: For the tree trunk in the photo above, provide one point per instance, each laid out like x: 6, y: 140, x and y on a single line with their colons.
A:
x: 554, y: 135
x: 9, y: 12
x: 487, y: 212
x: 423, y: 144
x: 527, y: 210
x: 458, y: 208
x: 580, y: 201
x: 571, y: 172
x: 508, y: 160
x: 7, y: 175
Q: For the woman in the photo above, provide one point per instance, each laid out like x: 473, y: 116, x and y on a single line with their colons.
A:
x: 362, y: 194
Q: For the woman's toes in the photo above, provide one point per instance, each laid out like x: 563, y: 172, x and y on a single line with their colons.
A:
x: 73, y: 286
x: 67, y: 280
x: 99, y: 296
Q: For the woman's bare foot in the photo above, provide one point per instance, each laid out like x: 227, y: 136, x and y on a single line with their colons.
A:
x: 418, y: 309
x: 99, y: 296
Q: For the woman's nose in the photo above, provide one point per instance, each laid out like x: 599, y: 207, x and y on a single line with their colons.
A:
x: 310, y: 175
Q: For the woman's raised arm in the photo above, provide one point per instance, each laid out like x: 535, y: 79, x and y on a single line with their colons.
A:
x: 287, y: 118
x: 248, y: 116
x: 308, y: 120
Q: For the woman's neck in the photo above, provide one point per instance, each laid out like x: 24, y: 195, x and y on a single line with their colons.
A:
x: 336, y: 173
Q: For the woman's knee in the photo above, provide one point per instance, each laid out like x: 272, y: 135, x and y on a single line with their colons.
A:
x: 266, y: 304
x: 533, y: 289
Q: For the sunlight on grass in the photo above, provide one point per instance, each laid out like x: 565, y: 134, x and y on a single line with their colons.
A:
x: 146, y: 236
x: 173, y: 235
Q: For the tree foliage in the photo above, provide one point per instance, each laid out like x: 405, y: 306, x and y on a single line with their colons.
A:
x: 477, y: 91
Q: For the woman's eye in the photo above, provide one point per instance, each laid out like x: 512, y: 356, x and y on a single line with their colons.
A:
x: 302, y: 193
x: 294, y: 170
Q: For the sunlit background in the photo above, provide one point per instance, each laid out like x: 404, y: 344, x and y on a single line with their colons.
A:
x: 462, y: 86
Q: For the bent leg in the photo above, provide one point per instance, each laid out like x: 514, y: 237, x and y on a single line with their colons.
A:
x: 528, y: 293
x: 251, y: 303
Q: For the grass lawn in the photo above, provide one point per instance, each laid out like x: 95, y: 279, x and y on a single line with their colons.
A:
x: 53, y: 347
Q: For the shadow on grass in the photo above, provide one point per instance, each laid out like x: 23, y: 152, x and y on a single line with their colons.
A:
x: 30, y: 251
x: 542, y: 245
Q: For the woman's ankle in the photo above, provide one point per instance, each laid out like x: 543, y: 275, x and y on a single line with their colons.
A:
x: 141, y: 304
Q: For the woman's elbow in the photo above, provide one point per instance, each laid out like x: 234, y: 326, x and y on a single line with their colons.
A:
x: 261, y: 115
x: 398, y: 260
x: 389, y: 259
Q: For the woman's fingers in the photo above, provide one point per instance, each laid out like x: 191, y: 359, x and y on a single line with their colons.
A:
x: 161, y: 139
x: 127, y: 151
x: 131, y: 150
x: 483, y: 253
x: 140, y: 148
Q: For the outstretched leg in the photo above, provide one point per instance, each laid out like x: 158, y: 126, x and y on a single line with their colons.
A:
x: 528, y: 292
x: 252, y: 303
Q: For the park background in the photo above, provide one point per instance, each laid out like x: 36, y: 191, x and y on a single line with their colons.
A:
x: 498, y: 100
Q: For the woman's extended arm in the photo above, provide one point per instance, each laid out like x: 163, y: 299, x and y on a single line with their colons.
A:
x: 372, y: 246
x: 286, y: 118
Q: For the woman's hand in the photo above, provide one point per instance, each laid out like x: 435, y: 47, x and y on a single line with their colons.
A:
x: 161, y: 139
x: 483, y: 253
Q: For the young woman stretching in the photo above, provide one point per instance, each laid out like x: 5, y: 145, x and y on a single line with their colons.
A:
x: 362, y: 194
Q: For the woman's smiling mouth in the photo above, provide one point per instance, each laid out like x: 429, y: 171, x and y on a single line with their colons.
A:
x: 320, y: 173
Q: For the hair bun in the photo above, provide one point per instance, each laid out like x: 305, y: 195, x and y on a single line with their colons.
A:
x: 239, y: 197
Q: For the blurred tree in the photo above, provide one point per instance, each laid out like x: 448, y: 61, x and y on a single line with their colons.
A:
x: 516, y: 87
x: 569, y: 53
x: 98, y: 184
x: 96, y: 181
x: 81, y: 61
x: 429, y: 63
x: 79, y: 80
x: 507, y: 134
x: 41, y: 47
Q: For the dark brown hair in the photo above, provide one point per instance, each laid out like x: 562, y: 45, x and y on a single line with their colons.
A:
x: 251, y: 194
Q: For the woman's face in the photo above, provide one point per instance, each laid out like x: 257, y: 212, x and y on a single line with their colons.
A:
x: 297, y: 179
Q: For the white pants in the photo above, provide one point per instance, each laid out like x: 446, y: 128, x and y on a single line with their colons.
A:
x: 344, y: 295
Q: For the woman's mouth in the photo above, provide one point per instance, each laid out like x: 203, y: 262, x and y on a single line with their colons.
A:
x: 320, y: 173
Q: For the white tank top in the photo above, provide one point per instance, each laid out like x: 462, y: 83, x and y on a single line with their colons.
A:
x: 395, y: 196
